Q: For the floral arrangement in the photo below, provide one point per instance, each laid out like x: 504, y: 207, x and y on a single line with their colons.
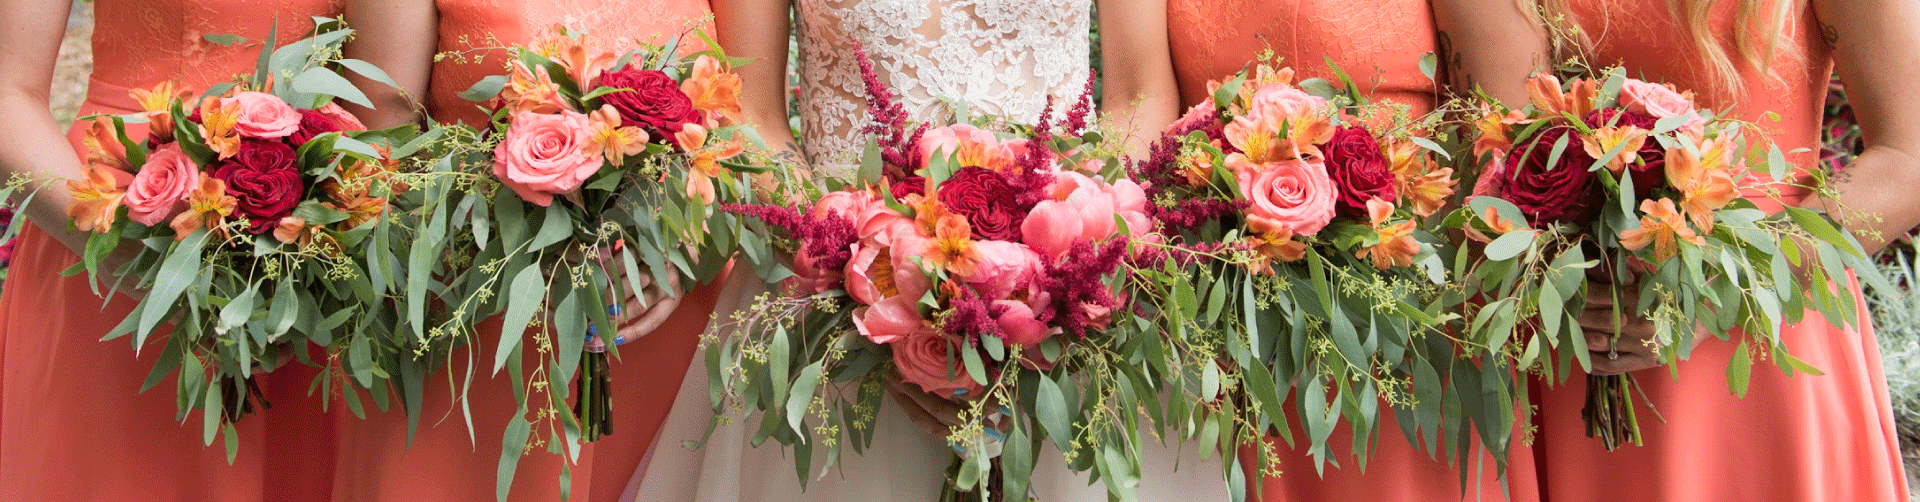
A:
x: 1629, y: 183
x: 253, y: 217
x: 597, y: 179
x: 990, y: 271
x: 1300, y: 214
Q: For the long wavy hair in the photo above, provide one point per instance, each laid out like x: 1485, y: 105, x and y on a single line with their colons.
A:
x: 1759, y: 39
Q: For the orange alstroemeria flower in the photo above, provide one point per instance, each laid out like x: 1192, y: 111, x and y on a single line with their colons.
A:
x: 1605, y: 139
x: 703, y: 160
x: 217, y: 120
x: 1396, y: 246
x: 103, y: 146
x: 208, y: 206
x: 531, y: 90
x: 715, y: 90
x: 951, y: 247
x: 1544, y: 90
x: 1662, y: 227
x: 157, y: 105
x: 96, y: 198
x: 1420, y: 181
x: 1495, y: 223
x: 615, y: 142
x: 1196, y: 166
x: 1274, y: 246
x: 584, y: 63
x: 1704, y: 182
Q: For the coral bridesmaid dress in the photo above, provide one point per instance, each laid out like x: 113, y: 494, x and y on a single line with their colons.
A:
x: 1379, y: 45
x: 443, y: 463
x: 72, y: 423
x: 1806, y: 437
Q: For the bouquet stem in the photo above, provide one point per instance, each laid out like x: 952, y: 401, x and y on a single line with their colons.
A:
x: 991, y: 488
x: 1610, y: 414
x: 594, y: 404
x: 237, y: 407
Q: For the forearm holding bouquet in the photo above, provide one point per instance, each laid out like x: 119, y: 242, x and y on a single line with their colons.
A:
x: 257, y: 219
x: 597, y: 180
x: 988, y: 270
x: 1302, y: 216
x: 1628, y: 184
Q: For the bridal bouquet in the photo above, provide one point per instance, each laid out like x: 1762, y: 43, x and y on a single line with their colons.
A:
x: 967, y: 269
x: 1300, y: 214
x: 1631, y: 183
x: 252, y: 218
x: 598, y: 178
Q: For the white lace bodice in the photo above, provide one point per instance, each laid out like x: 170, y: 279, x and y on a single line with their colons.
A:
x: 1001, y: 57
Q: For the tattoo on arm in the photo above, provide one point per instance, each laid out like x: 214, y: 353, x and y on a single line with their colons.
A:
x: 1450, y: 71
x: 1831, y: 35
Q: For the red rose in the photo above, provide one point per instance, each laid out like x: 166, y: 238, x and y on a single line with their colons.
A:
x: 653, y: 101
x: 1560, y: 193
x: 1651, y: 172
x: 263, y: 179
x: 1359, y: 170
x: 913, y: 185
x: 985, y: 199
x: 312, y: 123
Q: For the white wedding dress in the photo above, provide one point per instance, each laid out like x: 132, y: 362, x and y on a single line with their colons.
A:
x: 1000, y: 57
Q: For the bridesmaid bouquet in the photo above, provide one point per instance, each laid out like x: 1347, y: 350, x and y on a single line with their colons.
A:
x: 967, y: 269
x: 257, y: 217
x: 597, y: 178
x: 1631, y: 183
x: 1300, y: 216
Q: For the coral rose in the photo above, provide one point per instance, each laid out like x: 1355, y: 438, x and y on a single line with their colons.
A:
x: 1293, y: 194
x: 1660, y: 101
x: 160, y: 189
x: 263, y: 115
x: 922, y: 359
x: 545, y: 154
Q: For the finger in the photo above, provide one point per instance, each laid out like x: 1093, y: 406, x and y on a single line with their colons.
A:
x: 919, y: 416
x: 1626, y: 362
x: 651, y: 319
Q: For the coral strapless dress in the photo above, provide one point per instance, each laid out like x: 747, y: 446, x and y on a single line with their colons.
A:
x: 1379, y: 45
x: 72, y: 423
x: 444, y: 463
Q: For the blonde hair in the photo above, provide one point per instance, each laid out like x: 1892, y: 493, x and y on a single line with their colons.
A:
x: 1760, y: 36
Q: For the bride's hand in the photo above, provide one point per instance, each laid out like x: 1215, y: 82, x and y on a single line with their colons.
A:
x: 938, y: 417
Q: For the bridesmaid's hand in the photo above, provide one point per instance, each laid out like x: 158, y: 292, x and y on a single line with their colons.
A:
x: 638, y: 317
x: 938, y: 417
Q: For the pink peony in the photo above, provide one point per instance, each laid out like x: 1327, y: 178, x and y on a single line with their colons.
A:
x: 545, y: 154
x: 1083, y: 208
x: 1294, y: 194
x: 966, y: 144
x: 1018, y: 325
x: 1004, y: 267
x: 1193, y: 117
x: 160, y: 190
x: 264, y: 116
x: 1660, y: 101
x: 922, y: 358
x: 889, y: 320
x: 872, y: 279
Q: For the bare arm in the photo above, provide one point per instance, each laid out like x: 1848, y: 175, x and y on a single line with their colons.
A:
x: 33, y: 144
x: 1877, y: 52
x: 759, y: 29
x: 1492, y: 44
x: 1139, y: 93
x: 400, y: 37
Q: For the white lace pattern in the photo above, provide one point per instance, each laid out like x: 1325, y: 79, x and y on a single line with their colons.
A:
x: 1001, y: 57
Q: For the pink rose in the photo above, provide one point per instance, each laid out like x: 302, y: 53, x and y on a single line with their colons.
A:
x: 1018, y: 324
x: 1192, y: 118
x: 1660, y: 101
x: 889, y: 320
x: 545, y: 154
x: 160, y: 189
x: 966, y: 144
x: 264, y: 116
x: 1004, y: 267
x: 1295, y: 194
x: 922, y: 357
x: 341, y: 118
